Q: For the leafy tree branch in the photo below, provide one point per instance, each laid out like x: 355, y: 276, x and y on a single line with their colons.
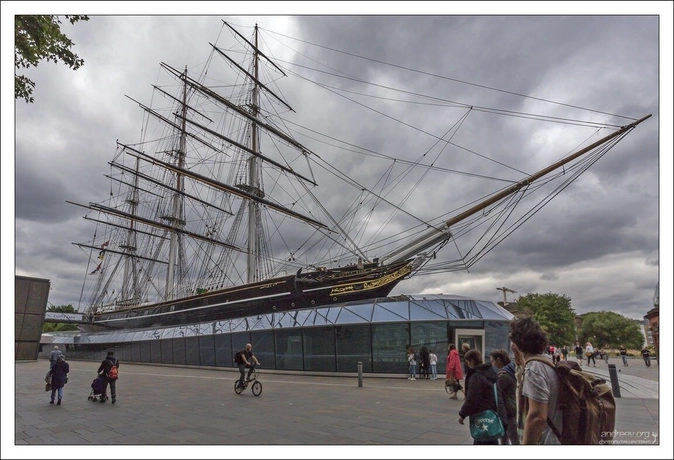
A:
x: 37, y: 38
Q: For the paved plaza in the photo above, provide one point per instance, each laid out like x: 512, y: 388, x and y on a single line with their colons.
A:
x: 168, y: 409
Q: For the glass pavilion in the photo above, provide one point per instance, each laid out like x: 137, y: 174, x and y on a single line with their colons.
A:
x: 336, y: 338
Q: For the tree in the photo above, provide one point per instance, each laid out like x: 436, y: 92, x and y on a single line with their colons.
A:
x: 554, y: 314
x: 612, y: 329
x: 53, y: 327
x: 37, y: 38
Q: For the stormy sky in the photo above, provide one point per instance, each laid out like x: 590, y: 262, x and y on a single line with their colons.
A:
x: 597, y: 243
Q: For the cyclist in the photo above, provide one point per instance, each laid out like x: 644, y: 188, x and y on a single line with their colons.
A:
x: 248, y: 360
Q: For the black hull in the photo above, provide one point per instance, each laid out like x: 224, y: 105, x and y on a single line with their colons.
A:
x: 313, y: 289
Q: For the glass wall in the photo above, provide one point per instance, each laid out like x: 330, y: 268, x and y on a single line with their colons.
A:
x: 263, y: 348
x: 319, y: 349
x: 324, y: 339
x: 167, y: 351
x: 389, y: 347
x: 496, y: 337
x: 155, y: 351
x: 353, y: 344
x: 224, y: 356
x: 207, y: 350
x: 178, y: 350
x: 289, y: 349
x: 432, y: 335
x: 192, y: 351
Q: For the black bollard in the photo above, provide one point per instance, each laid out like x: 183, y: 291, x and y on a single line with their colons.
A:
x: 360, y: 373
x: 615, y: 386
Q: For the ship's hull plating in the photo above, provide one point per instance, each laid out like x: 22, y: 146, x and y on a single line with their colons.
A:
x: 317, y: 288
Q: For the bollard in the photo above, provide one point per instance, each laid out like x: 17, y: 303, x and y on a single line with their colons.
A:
x: 615, y: 386
x: 360, y: 373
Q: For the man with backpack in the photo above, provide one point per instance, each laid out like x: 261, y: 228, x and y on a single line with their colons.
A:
x: 562, y: 404
x: 109, y: 369
x: 246, y: 359
x: 540, y: 386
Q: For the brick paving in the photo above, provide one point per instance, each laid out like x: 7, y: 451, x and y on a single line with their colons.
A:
x: 181, y: 412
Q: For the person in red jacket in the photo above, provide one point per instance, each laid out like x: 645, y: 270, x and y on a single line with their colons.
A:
x: 453, y: 370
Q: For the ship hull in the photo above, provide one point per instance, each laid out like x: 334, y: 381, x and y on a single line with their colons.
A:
x: 324, y: 287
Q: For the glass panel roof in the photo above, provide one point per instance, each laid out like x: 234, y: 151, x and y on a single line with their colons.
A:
x: 391, y: 311
x: 346, y: 316
x: 385, y: 309
x: 364, y: 311
x: 492, y: 311
x: 427, y: 309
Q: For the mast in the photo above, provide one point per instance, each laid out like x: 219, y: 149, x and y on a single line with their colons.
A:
x: 438, y: 235
x: 252, y: 173
x: 130, y: 287
x: 177, y: 206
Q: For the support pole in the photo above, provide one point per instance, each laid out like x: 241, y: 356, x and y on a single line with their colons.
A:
x: 360, y: 374
x: 615, y: 386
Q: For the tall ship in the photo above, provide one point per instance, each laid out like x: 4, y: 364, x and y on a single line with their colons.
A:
x: 220, y: 210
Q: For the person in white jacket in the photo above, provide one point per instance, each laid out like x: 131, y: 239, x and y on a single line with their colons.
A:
x: 434, y: 365
x: 589, y: 353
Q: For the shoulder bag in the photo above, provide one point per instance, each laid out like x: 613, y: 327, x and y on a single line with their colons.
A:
x: 487, y: 425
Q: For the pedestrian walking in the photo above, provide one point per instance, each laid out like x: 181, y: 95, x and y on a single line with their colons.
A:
x: 589, y: 352
x: 480, y: 390
x: 59, y: 377
x: 106, y: 370
x: 646, y: 354
x: 540, y: 384
x: 464, y: 348
x: 623, y: 354
x: 53, y: 356
x: 507, y: 383
x: 564, y: 352
x: 578, y: 350
x: 453, y: 371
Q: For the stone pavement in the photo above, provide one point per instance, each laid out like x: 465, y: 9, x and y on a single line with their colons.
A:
x: 190, y: 409
x: 636, y: 380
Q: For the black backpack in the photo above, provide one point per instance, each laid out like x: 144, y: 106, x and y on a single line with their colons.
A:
x: 237, y: 357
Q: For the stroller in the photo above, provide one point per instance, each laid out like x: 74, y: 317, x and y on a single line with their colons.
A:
x: 98, y: 389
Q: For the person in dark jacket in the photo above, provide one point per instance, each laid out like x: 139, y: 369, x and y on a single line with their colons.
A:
x: 424, y: 369
x: 479, y: 389
x: 59, y: 375
x: 507, y: 383
x: 104, y: 369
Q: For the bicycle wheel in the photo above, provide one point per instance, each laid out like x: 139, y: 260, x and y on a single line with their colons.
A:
x: 237, y: 388
x: 257, y: 388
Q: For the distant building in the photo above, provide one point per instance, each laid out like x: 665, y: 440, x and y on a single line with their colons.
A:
x: 30, y: 304
x: 652, y: 319
x: 651, y: 327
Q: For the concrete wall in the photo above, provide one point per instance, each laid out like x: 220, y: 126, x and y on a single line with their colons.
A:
x: 31, y: 295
